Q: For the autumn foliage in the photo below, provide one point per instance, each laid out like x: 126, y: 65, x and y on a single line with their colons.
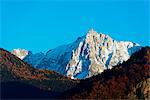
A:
x: 14, y: 69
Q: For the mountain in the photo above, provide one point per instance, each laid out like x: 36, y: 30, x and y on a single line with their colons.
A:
x: 15, y: 71
x: 129, y: 80
x: 87, y: 56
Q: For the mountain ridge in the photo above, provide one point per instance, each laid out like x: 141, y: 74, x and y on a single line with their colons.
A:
x: 87, y: 56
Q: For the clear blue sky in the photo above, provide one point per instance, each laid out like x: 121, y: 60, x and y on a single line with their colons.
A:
x: 40, y: 25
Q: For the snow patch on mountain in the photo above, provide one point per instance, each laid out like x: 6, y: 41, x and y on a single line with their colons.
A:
x: 20, y: 53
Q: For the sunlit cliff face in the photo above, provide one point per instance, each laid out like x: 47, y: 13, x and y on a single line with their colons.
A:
x: 97, y: 52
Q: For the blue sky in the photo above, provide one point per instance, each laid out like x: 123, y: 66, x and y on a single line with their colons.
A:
x: 40, y: 25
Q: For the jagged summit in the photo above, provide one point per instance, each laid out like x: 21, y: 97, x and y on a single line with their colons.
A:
x: 91, y: 32
x: 87, y: 56
x: 93, y: 36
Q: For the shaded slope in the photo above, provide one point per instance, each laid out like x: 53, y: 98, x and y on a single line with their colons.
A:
x: 119, y: 82
x: 14, y: 69
x: 22, y: 90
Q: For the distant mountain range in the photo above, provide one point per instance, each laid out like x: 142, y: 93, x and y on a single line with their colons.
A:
x: 89, y: 55
x: 129, y: 80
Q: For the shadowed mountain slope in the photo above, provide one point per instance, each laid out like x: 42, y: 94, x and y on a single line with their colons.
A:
x: 13, y: 69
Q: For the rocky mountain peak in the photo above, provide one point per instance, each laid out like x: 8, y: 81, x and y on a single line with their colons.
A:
x: 92, y: 32
x: 97, y: 52
x: 94, y: 37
